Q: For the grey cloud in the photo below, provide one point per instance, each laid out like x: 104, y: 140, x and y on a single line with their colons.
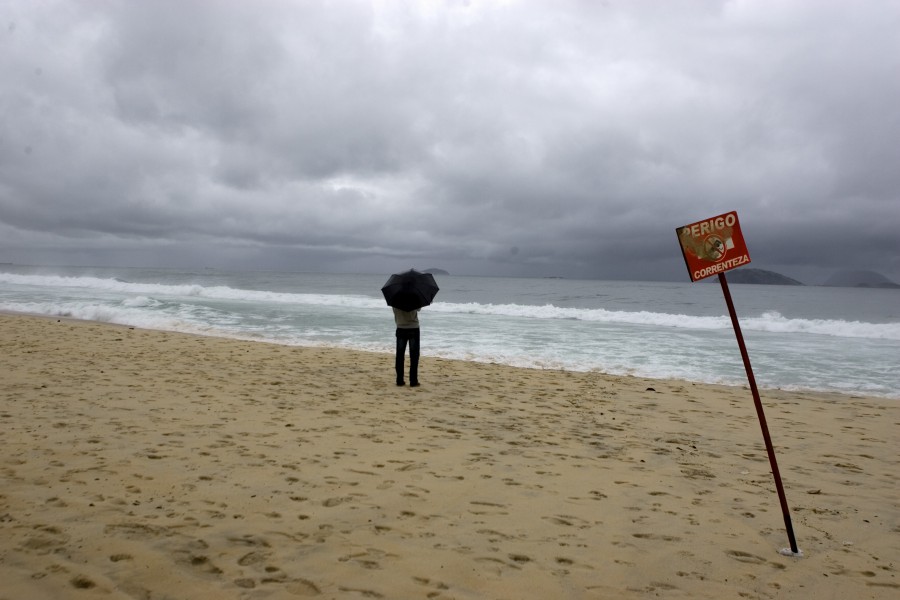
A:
x: 489, y: 137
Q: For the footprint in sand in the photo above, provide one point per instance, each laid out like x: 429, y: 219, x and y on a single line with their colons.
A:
x: 361, y: 591
x: 745, y: 557
x: 302, y: 587
x: 330, y: 502
x: 253, y: 558
x: 653, y: 536
x: 82, y: 583
x: 46, y: 539
x: 136, y: 531
x: 120, y: 557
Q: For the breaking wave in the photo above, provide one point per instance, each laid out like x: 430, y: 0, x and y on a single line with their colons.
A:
x: 143, y: 297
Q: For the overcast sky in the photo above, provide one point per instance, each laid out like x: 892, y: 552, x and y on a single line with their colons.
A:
x: 540, y: 138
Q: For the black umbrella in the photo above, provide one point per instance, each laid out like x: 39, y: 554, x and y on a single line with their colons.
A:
x: 410, y: 290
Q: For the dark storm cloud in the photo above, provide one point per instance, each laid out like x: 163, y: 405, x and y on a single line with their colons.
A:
x: 486, y: 137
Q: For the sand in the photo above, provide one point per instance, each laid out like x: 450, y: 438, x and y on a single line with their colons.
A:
x: 153, y: 465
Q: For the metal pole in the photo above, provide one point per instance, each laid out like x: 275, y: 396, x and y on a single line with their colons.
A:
x: 762, y: 417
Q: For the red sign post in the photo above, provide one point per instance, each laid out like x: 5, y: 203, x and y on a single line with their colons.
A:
x: 712, y: 247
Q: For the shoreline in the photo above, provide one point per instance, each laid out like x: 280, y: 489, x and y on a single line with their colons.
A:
x: 144, y: 463
x: 772, y: 391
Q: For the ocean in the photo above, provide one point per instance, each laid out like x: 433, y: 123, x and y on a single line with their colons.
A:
x: 843, y: 340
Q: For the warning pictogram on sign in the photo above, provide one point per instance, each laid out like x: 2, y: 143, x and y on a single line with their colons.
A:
x: 713, y: 246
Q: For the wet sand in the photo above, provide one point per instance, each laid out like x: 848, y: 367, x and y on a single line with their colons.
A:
x: 153, y: 465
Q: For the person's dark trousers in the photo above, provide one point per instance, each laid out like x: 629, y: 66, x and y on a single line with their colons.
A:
x: 410, y: 336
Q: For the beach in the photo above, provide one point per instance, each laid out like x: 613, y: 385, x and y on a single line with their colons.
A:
x: 155, y: 465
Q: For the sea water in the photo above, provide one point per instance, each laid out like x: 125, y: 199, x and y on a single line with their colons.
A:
x: 798, y: 338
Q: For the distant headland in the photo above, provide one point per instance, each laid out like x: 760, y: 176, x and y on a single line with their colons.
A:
x: 864, y: 279
x: 436, y: 271
x: 760, y: 277
x: 868, y: 279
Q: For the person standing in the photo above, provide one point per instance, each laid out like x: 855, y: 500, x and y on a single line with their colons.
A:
x: 407, y: 333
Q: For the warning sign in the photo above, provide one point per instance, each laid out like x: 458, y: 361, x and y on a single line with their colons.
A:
x: 713, y: 246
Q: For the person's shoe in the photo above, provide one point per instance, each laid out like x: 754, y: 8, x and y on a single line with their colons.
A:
x: 413, y: 384
x: 401, y: 382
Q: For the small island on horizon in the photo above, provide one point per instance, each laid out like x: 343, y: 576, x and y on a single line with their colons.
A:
x: 760, y: 277
x: 867, y: 279
x: 844, y: 278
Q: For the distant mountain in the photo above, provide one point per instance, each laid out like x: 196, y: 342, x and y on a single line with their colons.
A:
x: 435, y: 271
x: 860, y: 279
x: 760, y: 277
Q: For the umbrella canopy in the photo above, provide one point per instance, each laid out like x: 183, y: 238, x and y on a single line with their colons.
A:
x: 410, y: 290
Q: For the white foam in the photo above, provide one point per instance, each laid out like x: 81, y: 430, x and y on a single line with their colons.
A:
x: 808, y: 354
x: 770, y: 321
